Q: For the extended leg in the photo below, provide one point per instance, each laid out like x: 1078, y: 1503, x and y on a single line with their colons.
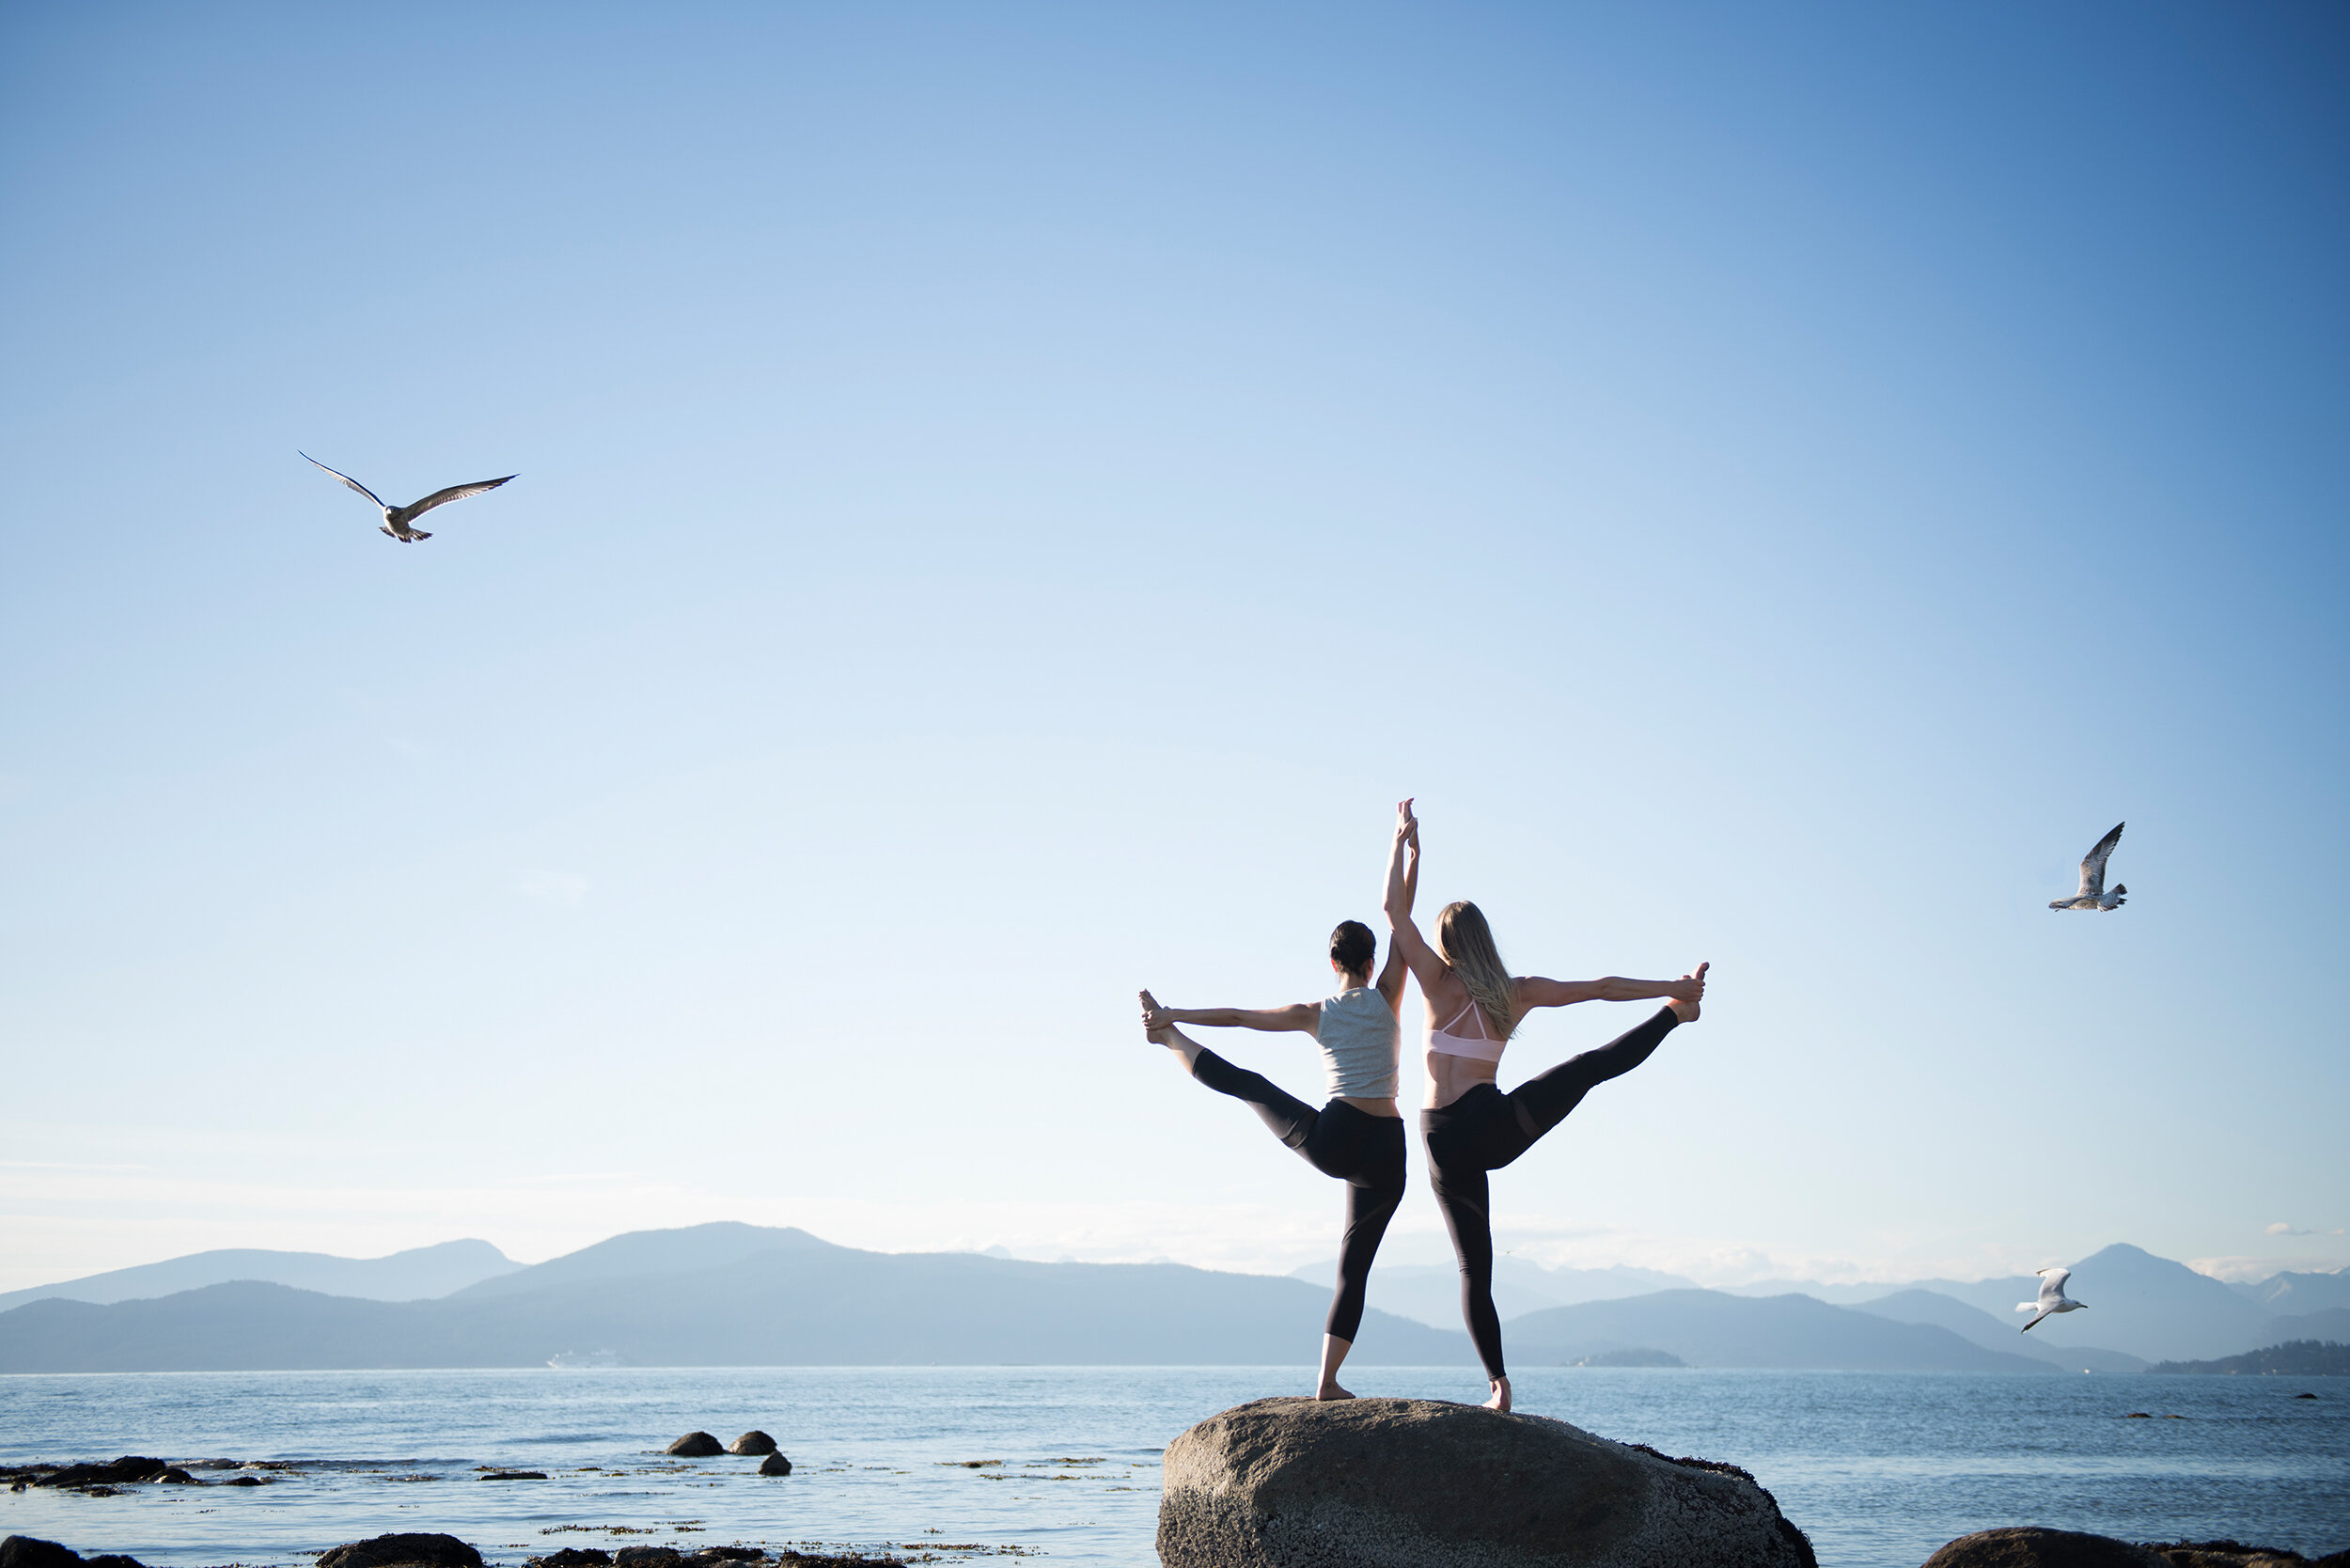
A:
x: 1542, y: 1102
x: 1290, y: 1119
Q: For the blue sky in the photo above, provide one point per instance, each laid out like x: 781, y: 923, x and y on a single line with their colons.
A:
x: 1010, y: 496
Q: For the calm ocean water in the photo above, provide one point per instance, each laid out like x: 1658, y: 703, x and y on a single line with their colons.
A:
x: 1880, y: 1468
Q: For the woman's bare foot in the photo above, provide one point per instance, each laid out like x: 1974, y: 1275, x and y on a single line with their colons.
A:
x: 1157, y: 1028
x: 1687, y: 994
x: 1500, y: 1400
x: 1331, y: 1390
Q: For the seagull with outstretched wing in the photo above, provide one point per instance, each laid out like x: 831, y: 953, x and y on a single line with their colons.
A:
x: 396, y: 519
x: 2093, y: 894
x: 2052, y: 1297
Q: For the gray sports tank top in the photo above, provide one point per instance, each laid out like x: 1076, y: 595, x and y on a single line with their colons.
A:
x: 1358, y: 1045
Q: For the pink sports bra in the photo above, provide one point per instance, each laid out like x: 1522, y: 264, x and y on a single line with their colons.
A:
x: 1479, y: 1046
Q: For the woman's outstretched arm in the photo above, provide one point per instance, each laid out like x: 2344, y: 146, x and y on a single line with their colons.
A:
x: 1402, y: 885
x: 1534, y: 991
x: 1297, y: 1016
x: 1390, y: 981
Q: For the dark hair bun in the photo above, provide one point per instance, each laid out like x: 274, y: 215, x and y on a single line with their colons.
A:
x: 1353, y: 947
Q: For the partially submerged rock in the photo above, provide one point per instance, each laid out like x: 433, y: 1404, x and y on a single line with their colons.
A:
x: 1298, y: 1484
x: 753, y: 1442
x: 25, y: 1551
x: 2031, y: 1547
x: 127, y: 1470
x: 695, y: 1445
x: 396, y: 1551
x: 774, y: 1465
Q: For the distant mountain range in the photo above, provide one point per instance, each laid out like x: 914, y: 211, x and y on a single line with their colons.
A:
x: 418, y: 1275
x: 728, y: 1294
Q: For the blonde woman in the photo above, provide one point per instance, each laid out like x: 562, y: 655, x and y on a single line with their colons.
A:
x: 1471, y: 1127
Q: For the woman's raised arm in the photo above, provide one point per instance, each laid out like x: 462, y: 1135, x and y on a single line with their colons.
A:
x: 1403, y: 887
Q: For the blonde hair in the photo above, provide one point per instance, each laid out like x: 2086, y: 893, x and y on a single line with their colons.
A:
x: 1467, y: 943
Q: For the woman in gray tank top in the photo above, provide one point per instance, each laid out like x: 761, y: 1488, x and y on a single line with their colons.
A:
x: 1357, y: 1136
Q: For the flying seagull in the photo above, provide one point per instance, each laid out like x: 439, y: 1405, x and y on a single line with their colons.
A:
x: 396, y: 519
x: 2093, y: 894
x: 2052, y: 1297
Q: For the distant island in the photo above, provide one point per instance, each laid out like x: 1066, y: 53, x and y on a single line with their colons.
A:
x: 2294, y: 1358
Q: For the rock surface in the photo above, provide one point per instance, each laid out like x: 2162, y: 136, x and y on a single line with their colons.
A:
x: 774, y: 1465
x: 2029, y: 1546
x: 753, y: 1442
x: 387, y: 1551
x: 695, y: 1445
x: 1415, y: 1483
x: 120, y: 1472
x: 25, y: 1551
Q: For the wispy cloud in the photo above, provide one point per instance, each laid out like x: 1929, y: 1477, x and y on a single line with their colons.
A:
x: 2283, y: 1228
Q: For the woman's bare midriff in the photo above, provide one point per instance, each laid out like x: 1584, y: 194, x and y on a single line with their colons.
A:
x: 1373, y: 1107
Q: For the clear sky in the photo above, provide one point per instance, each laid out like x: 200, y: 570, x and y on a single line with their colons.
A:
x: 1010, y: 497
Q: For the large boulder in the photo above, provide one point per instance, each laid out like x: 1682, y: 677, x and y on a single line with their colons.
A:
x: 695, y: 1445
x: 399, y: 1551
x: 1413, y: 1484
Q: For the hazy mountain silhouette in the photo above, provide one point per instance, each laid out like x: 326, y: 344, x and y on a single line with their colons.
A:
x: 1431, y: 1292
x: 2332, y: 1323
x: 2299, y: 1292
x: 1709, y: 1329
x: 729, y: 1295
x: 1979, y: 1327
x: 783, y: 1298
x: 415, y: 1274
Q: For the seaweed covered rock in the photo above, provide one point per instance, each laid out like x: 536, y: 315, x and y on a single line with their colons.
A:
x: 1299, y: 1483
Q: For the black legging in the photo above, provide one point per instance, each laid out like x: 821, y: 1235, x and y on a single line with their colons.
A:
x: 1365, y: 1152
x: 1484, y: 1130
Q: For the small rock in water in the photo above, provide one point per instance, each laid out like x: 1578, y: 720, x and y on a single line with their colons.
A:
x: 515, y: 1475
x: 384, y: 1551
x: 774, y: 1465
x: 752, y: 1442
x: 574, y: 1557
x: 646, y: 1557
x: 2305, y: 1396
x: 245, y: 1480
x: 695, y: 1445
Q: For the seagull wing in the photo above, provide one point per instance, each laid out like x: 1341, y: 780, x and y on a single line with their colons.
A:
x: 345, y: 478
x: 445, y: 496
x: 2052, y: 1284
x: 2027, y: 1328
x: 2093, y: 866
x: 454, y: 492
